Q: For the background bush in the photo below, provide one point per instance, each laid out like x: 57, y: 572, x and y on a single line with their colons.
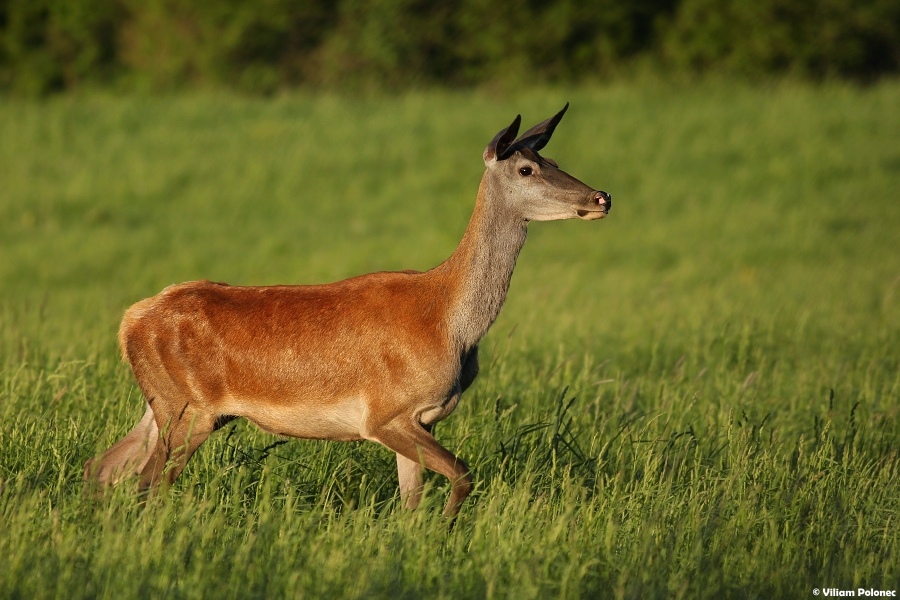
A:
x: 51, y: 45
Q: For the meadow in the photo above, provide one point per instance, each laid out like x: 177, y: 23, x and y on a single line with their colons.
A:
x: 697, y: 397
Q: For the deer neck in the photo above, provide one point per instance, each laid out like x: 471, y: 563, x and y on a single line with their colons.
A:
x: 479, y: 271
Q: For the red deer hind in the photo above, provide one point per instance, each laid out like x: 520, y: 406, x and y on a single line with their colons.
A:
x: 379, y: 357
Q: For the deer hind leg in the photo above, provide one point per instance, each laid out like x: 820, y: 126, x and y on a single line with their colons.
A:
x: 125, y: 458
x: 415, y: 447
x: 181, y: 432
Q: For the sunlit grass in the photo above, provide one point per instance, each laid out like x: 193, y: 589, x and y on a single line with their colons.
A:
x: 698, y: 397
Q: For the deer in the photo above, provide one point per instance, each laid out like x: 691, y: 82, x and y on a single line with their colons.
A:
x: 381, y: 357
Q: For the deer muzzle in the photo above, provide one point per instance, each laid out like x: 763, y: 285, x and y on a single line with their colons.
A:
x: 603, y: 200
x: 600, y: 204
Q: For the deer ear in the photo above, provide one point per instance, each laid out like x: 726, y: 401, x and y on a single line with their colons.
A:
x: 538, y: 136
x: 498, y: 146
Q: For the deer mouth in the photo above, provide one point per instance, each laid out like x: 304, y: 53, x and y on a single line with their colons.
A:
x: 592, y: 215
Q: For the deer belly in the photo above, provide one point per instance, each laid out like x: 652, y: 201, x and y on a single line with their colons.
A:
x: 341, y: 420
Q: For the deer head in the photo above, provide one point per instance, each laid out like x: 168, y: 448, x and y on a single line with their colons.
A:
x: 533, y: 186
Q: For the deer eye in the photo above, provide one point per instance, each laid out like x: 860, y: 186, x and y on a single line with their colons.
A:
x: 525, y: 171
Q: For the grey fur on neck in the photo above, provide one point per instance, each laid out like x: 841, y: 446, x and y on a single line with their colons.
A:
x: 483, y: 264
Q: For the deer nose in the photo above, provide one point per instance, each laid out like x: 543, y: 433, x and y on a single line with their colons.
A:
x: 603, y: 199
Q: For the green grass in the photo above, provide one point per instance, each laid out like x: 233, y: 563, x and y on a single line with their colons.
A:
x: 697, y: 397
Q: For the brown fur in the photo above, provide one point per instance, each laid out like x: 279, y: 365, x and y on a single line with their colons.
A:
x: 380, y: 357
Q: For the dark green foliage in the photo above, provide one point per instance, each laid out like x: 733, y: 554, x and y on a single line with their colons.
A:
x: 50, y: 45
x: 812, y: 38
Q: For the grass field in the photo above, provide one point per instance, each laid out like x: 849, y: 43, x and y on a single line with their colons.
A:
x: 698, y: 397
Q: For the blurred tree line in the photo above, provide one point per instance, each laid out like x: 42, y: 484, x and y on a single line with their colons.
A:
x: 264, y: 45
